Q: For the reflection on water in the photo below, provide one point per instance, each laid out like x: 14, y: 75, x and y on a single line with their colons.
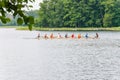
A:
x: 24, y: 58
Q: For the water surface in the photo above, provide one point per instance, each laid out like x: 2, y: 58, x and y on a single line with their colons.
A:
x: 24, y: 58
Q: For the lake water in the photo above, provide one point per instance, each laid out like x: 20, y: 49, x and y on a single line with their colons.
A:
x: 24, y: 58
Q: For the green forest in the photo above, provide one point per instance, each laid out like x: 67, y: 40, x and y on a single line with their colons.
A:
x: 78, y: 13
x: 70, y: 14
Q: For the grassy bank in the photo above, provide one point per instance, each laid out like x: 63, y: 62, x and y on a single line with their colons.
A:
x: 8, y: 26
x: 71, y: 29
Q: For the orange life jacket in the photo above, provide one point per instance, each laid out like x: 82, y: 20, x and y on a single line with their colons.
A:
x: 79, y: 36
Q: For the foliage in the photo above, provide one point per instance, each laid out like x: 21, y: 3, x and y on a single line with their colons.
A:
x: 79, y: 13
x: 15, y: 7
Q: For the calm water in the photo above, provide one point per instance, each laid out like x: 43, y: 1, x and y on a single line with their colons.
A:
x: 24, y: 58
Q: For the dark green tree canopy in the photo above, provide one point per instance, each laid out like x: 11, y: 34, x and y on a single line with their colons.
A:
x: 15, y: 7
x: 79, y: 13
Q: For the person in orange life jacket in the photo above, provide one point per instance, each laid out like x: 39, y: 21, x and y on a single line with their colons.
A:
x: 79, y: 36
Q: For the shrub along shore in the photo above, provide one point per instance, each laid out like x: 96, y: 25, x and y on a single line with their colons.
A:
x: 70, y: 29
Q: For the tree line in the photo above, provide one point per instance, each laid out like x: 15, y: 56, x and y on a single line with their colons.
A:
x: 79, y: 13
x: 14, y: 19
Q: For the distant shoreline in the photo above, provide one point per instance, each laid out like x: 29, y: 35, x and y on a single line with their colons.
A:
x: 64, y: 29
x: 70, y: 29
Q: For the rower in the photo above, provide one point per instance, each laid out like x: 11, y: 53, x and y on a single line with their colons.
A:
x: 96, y: 36
x: 38, y: 37
x: 72, y: 36
x: 79, y: 36
x: 86, y: 36
x: 45, y: 36
x: 51, y: 36
x: 66, y: 35
x: 59, y: 36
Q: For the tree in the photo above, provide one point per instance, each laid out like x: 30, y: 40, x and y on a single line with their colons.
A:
x: 15, y: 7
x: 79, y: 13
x: 51, y: 13
x: 112, y: 13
